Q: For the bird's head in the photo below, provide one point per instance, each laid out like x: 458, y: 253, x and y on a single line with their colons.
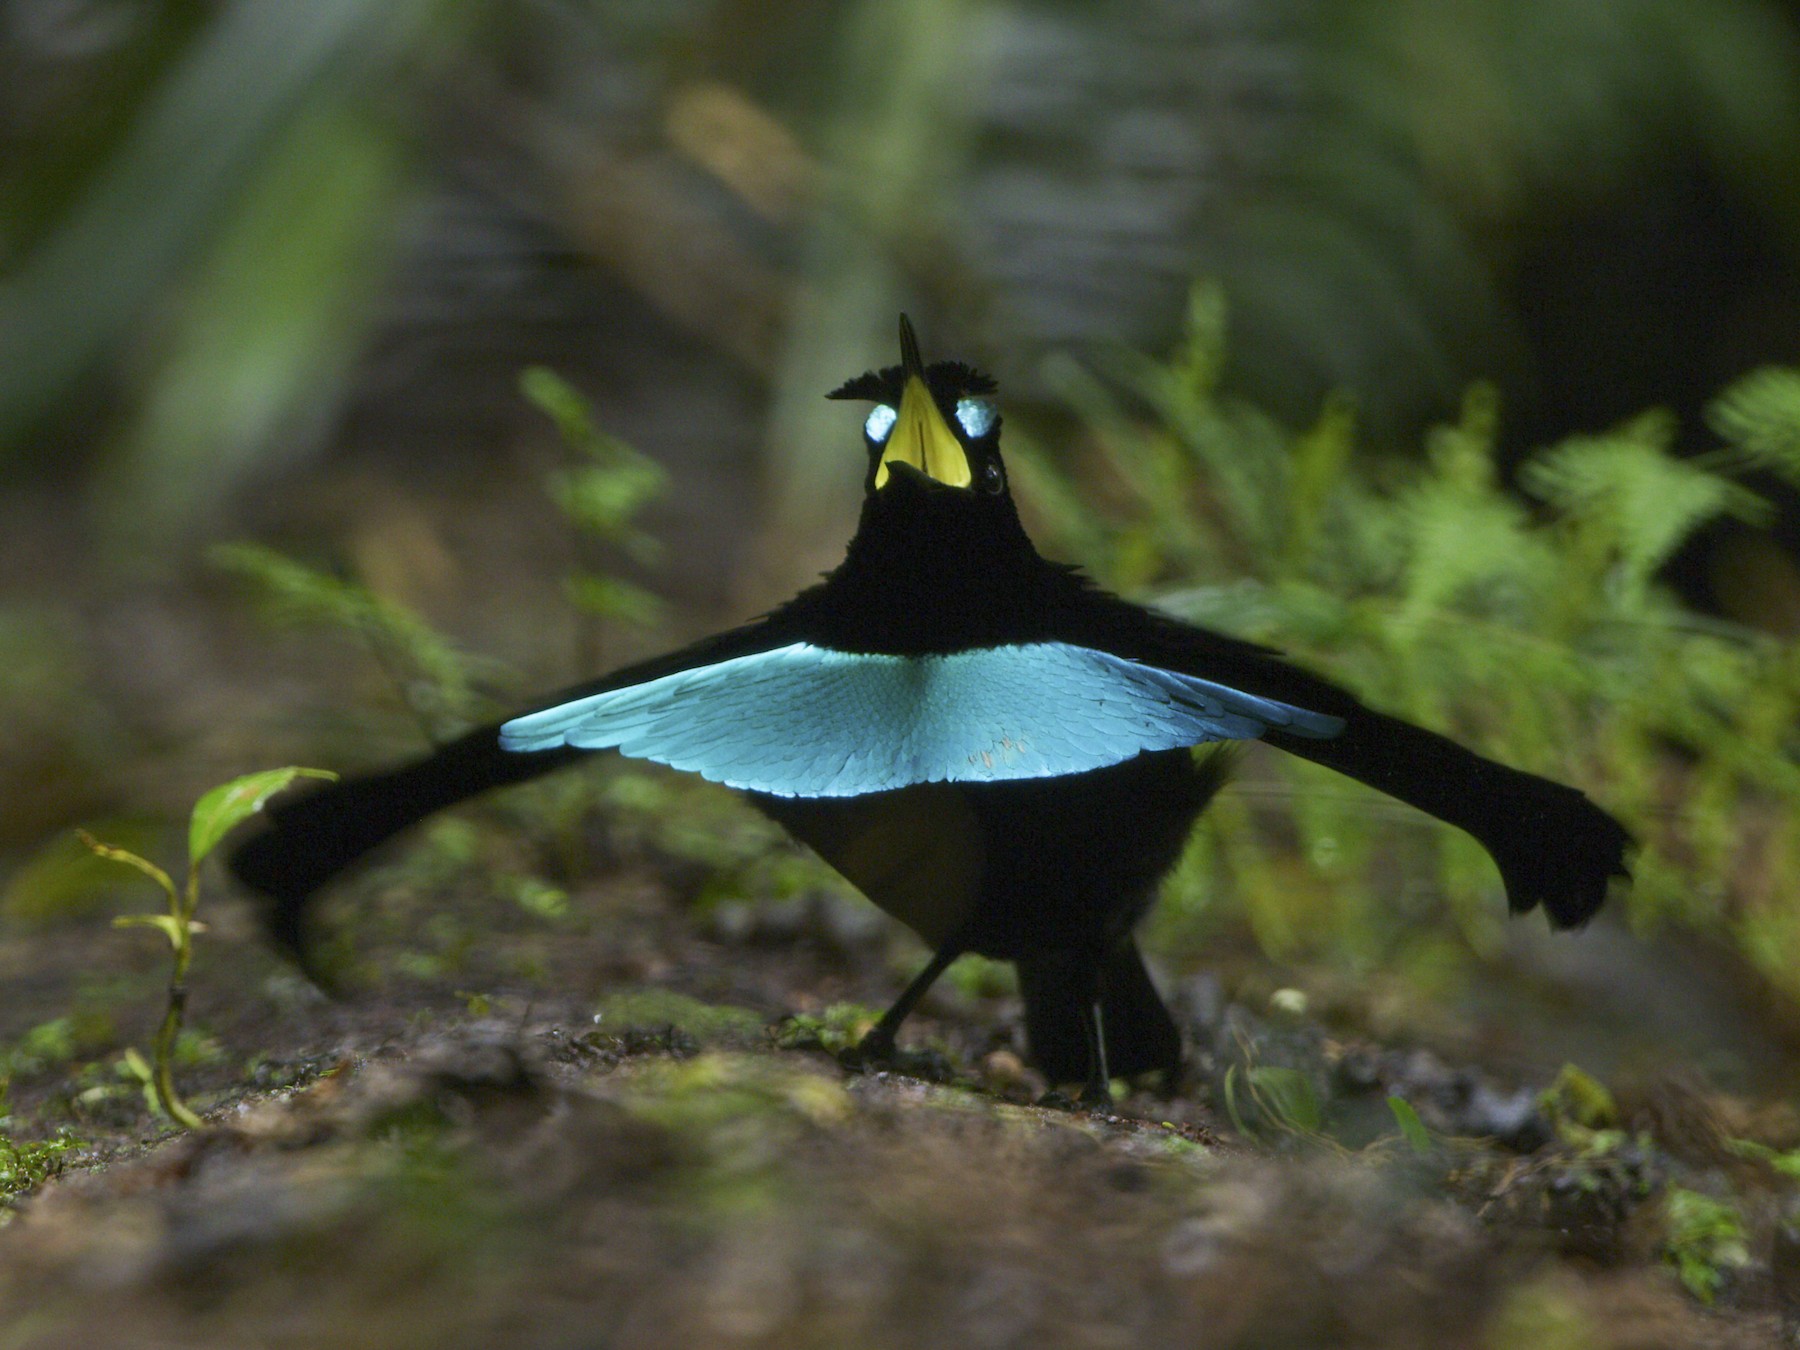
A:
x: 933, y: 427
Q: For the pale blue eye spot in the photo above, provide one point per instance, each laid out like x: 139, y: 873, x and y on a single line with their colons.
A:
x: 976, y: 416
x: 880, y: 423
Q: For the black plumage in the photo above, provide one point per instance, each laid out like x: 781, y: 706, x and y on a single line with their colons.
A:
x: 1049, y: 872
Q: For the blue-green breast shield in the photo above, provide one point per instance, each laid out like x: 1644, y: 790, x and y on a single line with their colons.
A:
x: 806, y: 721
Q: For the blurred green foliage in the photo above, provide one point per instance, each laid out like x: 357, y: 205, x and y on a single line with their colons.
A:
x: 1706, y: 1240
x: 268, y: 327
x: 436, y: 681
x: 55, y: 1044
x: 1412, y: 1129
x: 1534, y: 630
x: 601, y: 495
x: 1284, y: 1101
x: 840, y: 1027
x: 1578, y: 1105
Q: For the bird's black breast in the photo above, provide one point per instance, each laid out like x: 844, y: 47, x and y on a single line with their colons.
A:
x: 1013, y: 868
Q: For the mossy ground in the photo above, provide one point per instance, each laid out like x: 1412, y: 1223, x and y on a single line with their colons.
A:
x: 623, y: 1124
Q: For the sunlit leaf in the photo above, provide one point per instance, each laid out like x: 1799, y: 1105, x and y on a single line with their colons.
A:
x: 231, y: 803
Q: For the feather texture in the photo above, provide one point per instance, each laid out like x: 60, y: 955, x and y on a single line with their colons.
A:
x: 807, y: 721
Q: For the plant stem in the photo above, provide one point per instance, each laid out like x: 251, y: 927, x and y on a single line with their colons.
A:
x: 170, y: 1030
x: 165, y: 1059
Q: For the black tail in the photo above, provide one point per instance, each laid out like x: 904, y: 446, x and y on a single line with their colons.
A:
x: 1141, y: 1037
x: 312, y: 838
x: 1554, y: 847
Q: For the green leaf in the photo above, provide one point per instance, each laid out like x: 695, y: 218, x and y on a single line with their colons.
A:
x: 130, y: 859
x: 231, y: 803
x: 1788, y: 1163
x: 604, y: 499
x: 1288, y: 1096
x: 164, y: 923
x: 1412, y: 1129
x: 134, y: 1066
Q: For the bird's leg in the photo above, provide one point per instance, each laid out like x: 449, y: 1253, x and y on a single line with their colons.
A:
x: 1097, y: 1092
x: 879, y: 1044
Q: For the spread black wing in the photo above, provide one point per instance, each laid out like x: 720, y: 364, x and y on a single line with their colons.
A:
x: 1554, y: 847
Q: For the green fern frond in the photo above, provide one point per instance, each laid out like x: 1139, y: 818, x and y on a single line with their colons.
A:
x: 1466, y: 545
x: 1759, y: 416
x: 1640, y: 502
x: 436, y: 680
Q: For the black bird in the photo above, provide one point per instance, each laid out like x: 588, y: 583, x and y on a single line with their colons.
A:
x: 994, y: 750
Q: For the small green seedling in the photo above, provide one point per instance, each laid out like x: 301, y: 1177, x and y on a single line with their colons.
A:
x: 1412, y: 1129
x: 601, y: 493
x: 213, y: 818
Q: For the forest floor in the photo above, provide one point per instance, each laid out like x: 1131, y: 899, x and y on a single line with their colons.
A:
x: 615, y: 1117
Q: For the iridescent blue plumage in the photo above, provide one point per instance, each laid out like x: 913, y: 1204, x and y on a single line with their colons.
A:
x: 806, y: 721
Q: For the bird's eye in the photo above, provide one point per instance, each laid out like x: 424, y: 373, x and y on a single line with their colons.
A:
x: 991, y: 477
x: 976, y: 416
x: 880, y: 423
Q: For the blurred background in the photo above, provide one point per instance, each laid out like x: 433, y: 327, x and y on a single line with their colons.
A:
x: 273, y: 273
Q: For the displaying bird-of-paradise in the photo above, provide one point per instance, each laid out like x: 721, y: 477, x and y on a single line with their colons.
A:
x: 991, y: 748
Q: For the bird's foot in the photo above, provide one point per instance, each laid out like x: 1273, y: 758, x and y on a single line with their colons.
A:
x: 1090, y: 1099
x: 874, y: 1051
x: 872, y: 1054
x: 1096, y: 1097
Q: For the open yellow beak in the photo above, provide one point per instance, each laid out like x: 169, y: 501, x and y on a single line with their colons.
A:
x: 920, y: 436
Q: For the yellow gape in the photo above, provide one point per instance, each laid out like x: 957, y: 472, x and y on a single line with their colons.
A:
x: 921, y: 437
